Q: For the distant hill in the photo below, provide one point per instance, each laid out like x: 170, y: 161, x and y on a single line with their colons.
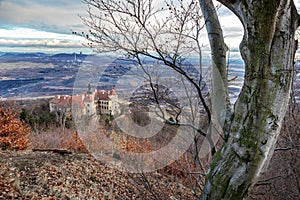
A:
x: 39, y: 57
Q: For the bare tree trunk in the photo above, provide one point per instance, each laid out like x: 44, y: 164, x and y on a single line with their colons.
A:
x: 216, y: 39
x: 268, y: 50
x: 221, y: 108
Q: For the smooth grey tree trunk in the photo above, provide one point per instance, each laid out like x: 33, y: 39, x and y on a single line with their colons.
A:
x: 268, y: 49
x: 221, y: 108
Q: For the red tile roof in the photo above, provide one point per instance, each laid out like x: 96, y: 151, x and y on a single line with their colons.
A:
x: 87, y: 98
x: 62, y: 101
x: 101, y: 95
x: 77, y: 101
x: 112, y: 92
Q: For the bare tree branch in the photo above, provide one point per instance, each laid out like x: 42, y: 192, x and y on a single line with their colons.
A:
x: 287, y: 148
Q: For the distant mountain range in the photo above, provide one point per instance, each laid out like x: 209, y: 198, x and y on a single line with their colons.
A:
x: 41, y: 57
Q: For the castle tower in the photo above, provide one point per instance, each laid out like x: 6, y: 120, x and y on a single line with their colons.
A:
x: 112, y: 94
x: 89, y: 102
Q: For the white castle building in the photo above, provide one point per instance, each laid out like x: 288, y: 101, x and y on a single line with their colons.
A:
x: 98, y: 102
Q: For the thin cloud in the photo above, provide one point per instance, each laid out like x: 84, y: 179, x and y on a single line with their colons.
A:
x: 40, y: 42
x: 22, y: 37
x: 28, y: 33
x: 56, y: 20
x: 52, y: 16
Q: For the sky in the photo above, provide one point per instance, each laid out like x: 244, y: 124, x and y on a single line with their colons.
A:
x: 41, y: 25
x: 46, y: 26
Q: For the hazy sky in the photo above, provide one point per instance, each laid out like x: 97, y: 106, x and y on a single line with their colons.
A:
x: 43, y: 25
x: 40, y: 25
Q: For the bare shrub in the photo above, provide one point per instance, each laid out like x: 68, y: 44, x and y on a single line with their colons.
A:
x: 55, y: 139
